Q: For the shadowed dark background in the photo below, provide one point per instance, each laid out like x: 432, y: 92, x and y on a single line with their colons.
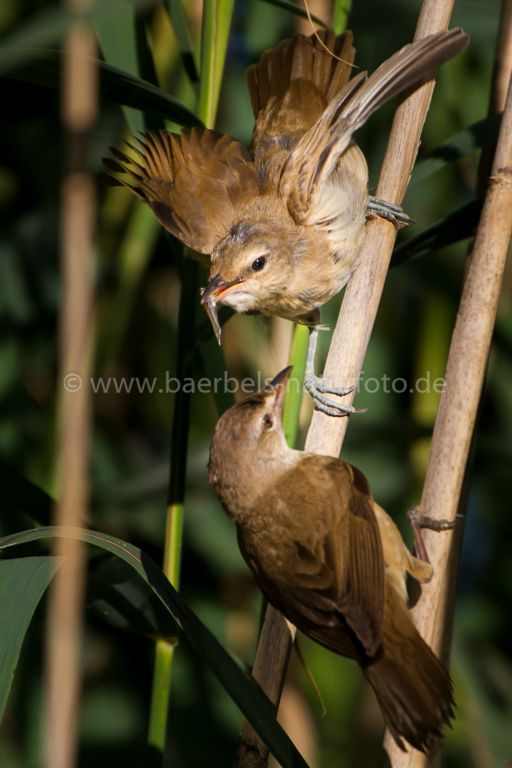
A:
x: 137, y: 290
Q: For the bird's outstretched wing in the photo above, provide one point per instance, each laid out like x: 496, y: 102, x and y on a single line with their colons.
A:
x: 191, y: 181
x: 333, y: 588
x: 317, y: 153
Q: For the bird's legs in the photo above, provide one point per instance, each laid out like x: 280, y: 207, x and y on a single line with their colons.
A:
x: 393, y: 213
x: 418, y: 522
x: 317, y: 388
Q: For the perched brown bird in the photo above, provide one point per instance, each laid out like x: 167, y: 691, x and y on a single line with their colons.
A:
x: 330, y: 559
x: 284, y: 222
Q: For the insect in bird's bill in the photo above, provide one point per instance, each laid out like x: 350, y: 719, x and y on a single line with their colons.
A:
x: 284, y: 221
x: 330, y: 559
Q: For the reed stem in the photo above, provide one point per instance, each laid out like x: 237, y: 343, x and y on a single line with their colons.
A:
x: 216, y: 23
x: 78, y: 224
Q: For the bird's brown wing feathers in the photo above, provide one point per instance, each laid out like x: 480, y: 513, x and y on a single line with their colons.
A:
x: 292, y: 84
x: 337, y: 576
x: 317, y: 153
x: 191, y: 181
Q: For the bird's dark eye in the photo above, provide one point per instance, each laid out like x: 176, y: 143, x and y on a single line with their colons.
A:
x: 268, y: 421
x: 258, y: 263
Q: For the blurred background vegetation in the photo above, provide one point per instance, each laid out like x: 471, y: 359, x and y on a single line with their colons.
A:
x: 137, y: 297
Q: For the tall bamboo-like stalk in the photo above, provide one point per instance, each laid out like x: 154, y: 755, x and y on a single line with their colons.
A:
x: 499, y: 87
x: 78, y: 214
x: 214, y: 39
x: 465, y: 373
x: 349, y: 343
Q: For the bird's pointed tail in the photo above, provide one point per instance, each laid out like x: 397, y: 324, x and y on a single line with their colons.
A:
x: 412, y: 685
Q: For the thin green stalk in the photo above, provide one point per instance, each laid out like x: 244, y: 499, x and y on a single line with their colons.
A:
x: 164, y: 652
x: 293, y: 401
x: 159, y: 707
x: 214, y: 36
x: 217, y: 16
x: 224, y: 16
x: 340, y: 14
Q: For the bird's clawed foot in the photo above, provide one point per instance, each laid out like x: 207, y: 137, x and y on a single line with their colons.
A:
x: 389, y: 211
x: 418, y: 522
x: 317, y: 388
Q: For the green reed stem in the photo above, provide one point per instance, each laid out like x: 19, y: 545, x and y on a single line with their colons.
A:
x: 216, y: 23
x: 293, y: 401
x: 340, y: 14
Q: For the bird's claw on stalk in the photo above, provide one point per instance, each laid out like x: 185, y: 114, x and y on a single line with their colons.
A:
x: 317, y: 388
x: 393, y: 213
x: 424, y: 521
x: 419, y: 521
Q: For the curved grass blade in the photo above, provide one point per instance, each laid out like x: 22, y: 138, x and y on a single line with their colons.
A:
x: 28, y: 504
x: 483, y: 133
x: 179, y: 24
x: 115, y: 85
x: 23, y: 582
x: 115, y: 593
x: 42, y: 29
x: 124, y: 45
x: 245, y: 693
x: 118, y: 45
x: 121, y: 598
x: 457, y: 226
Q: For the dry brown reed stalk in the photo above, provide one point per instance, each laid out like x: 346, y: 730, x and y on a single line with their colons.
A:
x: 362, y: 296
x: 348, y: 345
x: 503, y: 60
x: 321, y: 9
x: 465, y: 373
x: 269, y: 670
x: 78, y: 214
x: 297, y: 719
x: 499, y: 87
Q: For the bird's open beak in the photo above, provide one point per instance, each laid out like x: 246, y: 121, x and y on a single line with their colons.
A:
x: 278, y: 386
x: 211, y: 295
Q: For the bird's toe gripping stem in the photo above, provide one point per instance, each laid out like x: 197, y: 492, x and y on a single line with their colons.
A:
x: 318, y: 389
x: 389, y: 211
x: 419, y: 521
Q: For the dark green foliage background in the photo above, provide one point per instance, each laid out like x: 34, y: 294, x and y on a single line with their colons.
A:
x: 136, y: 337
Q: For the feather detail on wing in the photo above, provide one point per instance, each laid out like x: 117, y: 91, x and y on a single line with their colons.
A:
x: 192, y: 181
x: 333, y: 588
x: 317, y: 153
x: 292, y: 84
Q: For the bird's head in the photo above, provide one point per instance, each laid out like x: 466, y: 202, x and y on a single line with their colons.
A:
x: 248, y: 443
x: 252, y: 267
